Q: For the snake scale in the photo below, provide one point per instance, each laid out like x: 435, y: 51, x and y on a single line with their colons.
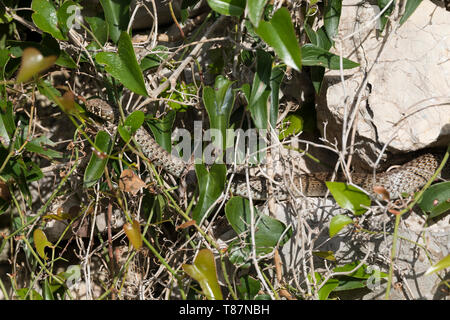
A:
x: 406, y: 178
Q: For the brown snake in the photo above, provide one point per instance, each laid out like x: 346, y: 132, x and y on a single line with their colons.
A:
x: 406, y: 178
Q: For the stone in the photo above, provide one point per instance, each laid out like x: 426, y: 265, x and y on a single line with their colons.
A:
x: 402, y: 82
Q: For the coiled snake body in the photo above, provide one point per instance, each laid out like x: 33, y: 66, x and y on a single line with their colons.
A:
x: 406, y: 178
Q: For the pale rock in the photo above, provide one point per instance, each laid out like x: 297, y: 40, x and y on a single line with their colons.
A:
x: 405, y: 102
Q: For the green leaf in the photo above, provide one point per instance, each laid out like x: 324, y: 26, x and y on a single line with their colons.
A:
x: 219, y: 103
x: 257, y: 102
x: 268, y: 231
x: 204, y: 271
x: 133, y: 122
x: 435, y: 199
x: 99, y: 28
x: 45, y: 18
x: 255, y: 9
x: 29, y: 294
x: 33, y: 62
x: 349, y: 197
x: 384, y: 17
x: 117, y: 15
x: 337, y: 223
x: 4, y: 17
x: 327, y: 288
x: 123, y: 65
x: 329, y: 255
x: 444, y: 263
x: 280, y: 35
x: 211, y: 185
x: 40, y: 242
x: 7, y: 124
x: 4, y: 58
x: 66, y: 16
x: 162, y: 130
x: 177, y: 97
x: 348, y: 283
x: 153, y: 60
x: 315, y: 56
x: 248, y: 288
x: 331, y: 17
x: 65, y: 60
x: 292, y: 124
x: 228, y: 7
x: 133, y: 232
x: 39, y: 146
x: 276, y: 77
x: 410, y: 7
x: 360, y: 273
x: 97, y: 162
x: 318, y: 38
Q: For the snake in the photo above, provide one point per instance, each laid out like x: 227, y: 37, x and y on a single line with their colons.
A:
x: 404, y: 179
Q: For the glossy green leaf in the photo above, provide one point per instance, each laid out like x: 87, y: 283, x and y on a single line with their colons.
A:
x: 123, y: 65
x: 349, y: 197
x: 162, y: 130
x: 98, y: 161
x: 117, y: 15
x: 66, y: 16
x: 204, y: 271
x: 33, y: 62
x: 40, y: 242
x: 133, y: 122
x: 133, y: 232
x: 337, y: 223
x: 248, y: 288
x: 268, y: 231
x: 315, y: 56
x: 292, y: 124
x: 45, y: 18
x: 441, y: 265
x: 219, y: 103
x: 410, y: 7
x: 331, y: 17
x: 255, y: 9
x: 384, y: 17
x: 280, y: 35
x: 228, y: 7
x: 436, y: 199
x: 211, y: 184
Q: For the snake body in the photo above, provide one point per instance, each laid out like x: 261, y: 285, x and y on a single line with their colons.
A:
x: 406, y: 178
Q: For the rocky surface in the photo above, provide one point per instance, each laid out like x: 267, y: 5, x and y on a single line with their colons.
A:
x: 401, y: 88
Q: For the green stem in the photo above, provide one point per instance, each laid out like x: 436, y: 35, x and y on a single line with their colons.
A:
x: 163, y: 261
